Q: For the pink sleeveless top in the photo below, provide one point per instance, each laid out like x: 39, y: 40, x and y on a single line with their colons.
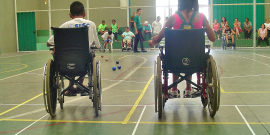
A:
x: 216, y: 26
x: 178, y: 22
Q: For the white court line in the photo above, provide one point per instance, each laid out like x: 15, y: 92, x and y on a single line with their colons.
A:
x: 255, y: 61
x: 13, y: 56
x: 138, y: 122
x: 261, y: 55
x: 245, y: 76
x: 31, y: 124
x: 245, y: 121
x: 20, y: 74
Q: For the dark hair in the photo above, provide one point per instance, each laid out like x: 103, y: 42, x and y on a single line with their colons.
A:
x: 110, y: 32
x: 263, y: 25
x: 103, y: 21
x: 139, y: 9
x: 237, y: 19
x: 189, y: 5
x: 247, y: 18
x: 127, y: 27
x: 76, y: 8
x: 224, y: 20
x: 113, y: 20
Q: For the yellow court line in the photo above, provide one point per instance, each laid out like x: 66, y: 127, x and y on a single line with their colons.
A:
x: 25, y: 66
x: 20, y: 74
x: 20, y: 104
x: 134, y: 90
x: 222, y: 91
x: 119, y: 122
x: 137, y: 101
x: 122, y: 57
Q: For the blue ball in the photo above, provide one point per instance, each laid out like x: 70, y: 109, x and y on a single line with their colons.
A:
x: 117, y: 62
x: 119, y: 67
x: 113, y: 68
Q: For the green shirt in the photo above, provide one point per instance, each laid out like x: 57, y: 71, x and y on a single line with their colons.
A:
x: 137, y: 19
x: 114, y: 27
x: 102, y: 27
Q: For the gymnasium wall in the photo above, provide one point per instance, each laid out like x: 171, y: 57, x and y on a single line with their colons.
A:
x: 267, y: 9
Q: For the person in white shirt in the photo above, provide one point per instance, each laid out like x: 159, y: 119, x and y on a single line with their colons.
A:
x: 108, y: 39
x: 156, y: 28
x: 127, y: 36
x: 77, y: 14
x: 267, y: 26
x: 262, y: 35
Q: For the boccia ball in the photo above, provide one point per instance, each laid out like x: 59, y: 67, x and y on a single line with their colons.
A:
x: 106, y: 59
x: 101, y: 56
x: 119, y: 67
x: 113, y: 68
x: 117, y: 62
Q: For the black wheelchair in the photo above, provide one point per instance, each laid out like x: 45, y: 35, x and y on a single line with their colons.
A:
x: 224, y: 43
x: 184, y: 54
x: 72, y: 57
x: 127, y: 48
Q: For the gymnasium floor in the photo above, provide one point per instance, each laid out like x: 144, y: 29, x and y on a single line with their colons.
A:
x: 128, y: 98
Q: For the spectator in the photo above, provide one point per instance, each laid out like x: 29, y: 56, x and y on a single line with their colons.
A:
x: 102, y: 28
x: 237, y: 28
x: 216, y: 28
x: 156, y: 28
x: 262, y: 33
x: 247, y: 28
x: 131, y: 20
x: 114, y: 29
x: 127, y: 36
x: 138, y: 31
x: 267, y: 26
x: 147, y: 30
x: 223, y: 23
x: 228, y: 32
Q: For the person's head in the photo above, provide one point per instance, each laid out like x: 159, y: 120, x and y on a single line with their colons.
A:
x: 139, y: 11
x: 134, y: 13
x: 267, y: 20
x: 227, y: 27
x: 247, y: 20
x: 113, y: 21
x: 110, y: 32
x: 188, y: 5
x: 158, y: 18
x: 146, y: 23
x: 103, y: 22
x: 236, y: 19
x: 127, y: 29
x: 76, y: 10
x: 215, y: 21
x: 263, y: 26
x: 223, y: 19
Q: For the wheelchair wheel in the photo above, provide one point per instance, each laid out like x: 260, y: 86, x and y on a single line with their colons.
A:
x: 99, y: 87
x: 95, y: 90
x: 155, y: 84
x: 61, y: 88
x: 159, y: 88
x: 204, y: 101
x: 44, y: 88
x: 212, y: 86
x: 50, y: 92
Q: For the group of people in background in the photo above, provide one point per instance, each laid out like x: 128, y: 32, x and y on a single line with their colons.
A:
x: 224, y: 29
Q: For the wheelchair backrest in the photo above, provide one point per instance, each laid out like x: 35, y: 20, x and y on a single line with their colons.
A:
x: 71, y: 51
x: 185, y: 50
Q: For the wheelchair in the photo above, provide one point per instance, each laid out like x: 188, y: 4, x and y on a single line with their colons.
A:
x: 224, y: 43
x: 183, y: 54
x: 72, y: 57
x: 126, y: 48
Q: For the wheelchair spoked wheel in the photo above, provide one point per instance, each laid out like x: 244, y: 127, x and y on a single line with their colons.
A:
x: 99, y: 87
x: 95, y: 90
x: 212, y: 86
x: 160, y: 98
x: 44, y: 88
x: 50, y: 90
x: 155, y: 84
x: 61, y: 88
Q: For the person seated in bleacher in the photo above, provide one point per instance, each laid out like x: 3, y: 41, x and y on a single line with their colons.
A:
x: 262, y: 35
x: 216, y: 28
x: 237, y: 28
x: 228, y: 33
x: 127, y: 36
x: 107, y: 37
x: 102, y: 28
x: 267, y: 26
x: 247, y: 28
x: 147, y: 30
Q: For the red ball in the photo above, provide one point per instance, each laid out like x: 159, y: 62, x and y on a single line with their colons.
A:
x: 101, y: 56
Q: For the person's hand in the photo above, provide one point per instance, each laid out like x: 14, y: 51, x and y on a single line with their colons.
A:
x: 136, y: 32
x: 248, y: 31
x: 262, y: 38
x: 150, y: 43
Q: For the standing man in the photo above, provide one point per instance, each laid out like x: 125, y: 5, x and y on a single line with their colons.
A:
x: 131, y: 22
x: 138, y: 31
x: 156, y: 28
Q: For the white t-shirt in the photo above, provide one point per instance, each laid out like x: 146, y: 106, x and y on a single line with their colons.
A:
x: 156, y: 27
x: 105, y: 36
x: 267, y: 25
x: 80, y: 22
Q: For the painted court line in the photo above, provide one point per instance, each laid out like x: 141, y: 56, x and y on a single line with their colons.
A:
x: 138, y: 122
x: 245, y: 120
x: 21, y: 74
x: 137, y: 101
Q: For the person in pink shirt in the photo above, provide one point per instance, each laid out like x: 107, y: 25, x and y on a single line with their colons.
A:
x: 186, y: 7
x: 216, y: 27
x: 262, y: 33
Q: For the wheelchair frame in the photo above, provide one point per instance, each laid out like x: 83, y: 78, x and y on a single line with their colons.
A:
x: 207, y: 86
x: 224, y: 43
x: 125, y: 48
x: 53, y: 82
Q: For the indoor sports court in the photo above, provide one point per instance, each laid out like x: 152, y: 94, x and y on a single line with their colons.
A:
x: 128, y: 101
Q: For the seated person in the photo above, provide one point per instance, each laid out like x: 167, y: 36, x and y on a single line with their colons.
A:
x: 127, y: 36
x: 102, y: 28
x: 147, y: 30
x: 262, y: 35
x: 77, y: 14
x: 247, y: 28
x: 237, y: 27
x: 107, y: 37
x: 228, y: 33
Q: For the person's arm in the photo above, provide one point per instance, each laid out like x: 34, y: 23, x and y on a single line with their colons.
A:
x: 110, y: 28
x: 250, y: 28
x: 259, y: 33
x: 232, y: 31
x: 150, y: 30
x: 135, y: 25
x: 266, y: 33
x: 117, y: 27
x: 50, y: 41
x: 245, y: 27
x: 210, y: 33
